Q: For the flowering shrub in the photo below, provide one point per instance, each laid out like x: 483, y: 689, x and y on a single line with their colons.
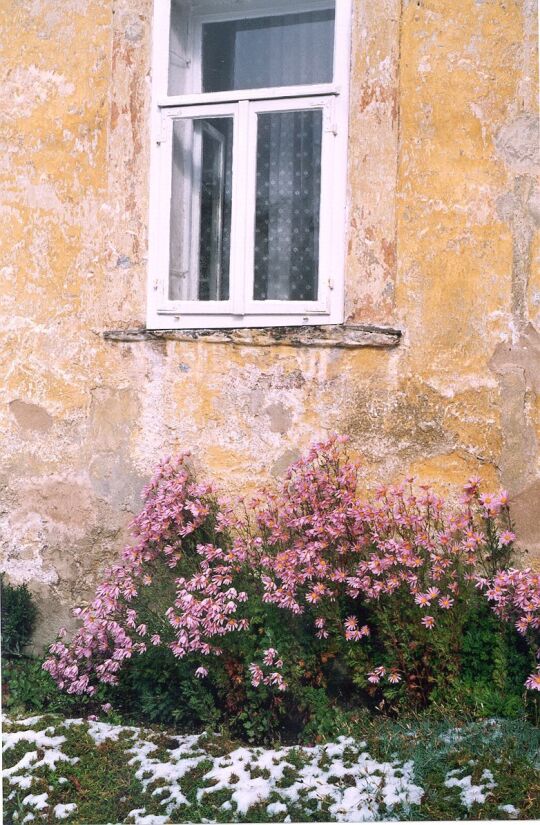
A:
x: 125, y: 618
x: 311, y: 587
x: 515, y: 596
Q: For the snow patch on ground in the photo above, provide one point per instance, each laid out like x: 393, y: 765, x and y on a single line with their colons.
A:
x: 339, y: 780
x: 103, y: 731
x: 62, y: 811
x: 354, y: 786
x: 470, y: 793
x: 511, y: 810
x: 37, y: 801
x: 140, y: 817
x: 182, y: 759
x: 45, y: 744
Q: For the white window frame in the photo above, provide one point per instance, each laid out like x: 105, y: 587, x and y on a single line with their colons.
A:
x: 240, y: 310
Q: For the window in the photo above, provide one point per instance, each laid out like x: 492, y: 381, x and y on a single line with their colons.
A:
x: 248, y: 170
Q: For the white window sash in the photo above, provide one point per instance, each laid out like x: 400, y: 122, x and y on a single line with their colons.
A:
x: 287, y: 307
x: 241, y: 310
x: 235, y: 95
x: 241, y: 267
x: 165, y: 305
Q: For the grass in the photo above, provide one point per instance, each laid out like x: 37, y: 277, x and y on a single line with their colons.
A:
x: 102, y: 783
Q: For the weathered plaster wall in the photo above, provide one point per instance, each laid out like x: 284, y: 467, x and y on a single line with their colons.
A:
x: 443, y: 243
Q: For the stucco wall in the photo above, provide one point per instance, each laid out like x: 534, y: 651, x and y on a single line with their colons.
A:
x: 443, y: 213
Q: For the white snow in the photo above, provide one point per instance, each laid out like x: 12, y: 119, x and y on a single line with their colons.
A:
x: 20, y: 774
x: 62, y: 811
x: 511, y: 810
x: 354, y: 786
x: 340, y: 779
x: 182, y: 759
x: 140, y: 817
x: 30, y: 720
x: 368, y: 782
x: 102, y: 731
x: 274, y: 808
x: 37, y: 801
x: 470, y: 793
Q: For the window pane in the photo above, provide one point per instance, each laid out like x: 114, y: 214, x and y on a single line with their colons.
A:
x: 201, y: 209
x: 179, y: 48
x: 282, y: 50
x: 287, y: 206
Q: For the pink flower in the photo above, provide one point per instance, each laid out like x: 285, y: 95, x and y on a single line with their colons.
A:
x: 533, y: 682
x: 376, y: 675
x: 201, y: 672
x: 446, y: 602
x: 394, y: 677
x: 256, y: 674
x: 428, y: 621
x: 106, y: 707
x: 269, y: 656
x: 506, y: 537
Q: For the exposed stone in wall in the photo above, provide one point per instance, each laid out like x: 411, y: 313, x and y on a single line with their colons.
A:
x: 443, y: 245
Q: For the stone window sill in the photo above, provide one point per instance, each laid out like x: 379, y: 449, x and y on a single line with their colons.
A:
x: 352, y: 336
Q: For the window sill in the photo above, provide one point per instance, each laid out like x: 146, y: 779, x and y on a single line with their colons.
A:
x: 334, y: 335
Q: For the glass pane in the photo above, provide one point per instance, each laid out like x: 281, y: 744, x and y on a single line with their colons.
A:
x: 288, y: 195
x: 179, y: 48
x: 201, y: 209
x: 259, y: 52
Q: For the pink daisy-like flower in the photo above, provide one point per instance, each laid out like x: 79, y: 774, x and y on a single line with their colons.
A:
x: 201, y: 672
x: 351, y: 623
x: 533, y: 682
x: 503, y: 498
x: 446, y: 602
x: 524, y: 622
x: 376, y: 675
x: 394, y: 677
x: 506, y: 537
x: 269, y: 656
x: 428, y: 621
x: 422, y: 599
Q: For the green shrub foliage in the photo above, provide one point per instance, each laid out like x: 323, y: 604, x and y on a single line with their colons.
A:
x: 19, y: 615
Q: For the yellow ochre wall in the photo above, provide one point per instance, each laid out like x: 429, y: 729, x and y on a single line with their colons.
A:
x: 442, y: 245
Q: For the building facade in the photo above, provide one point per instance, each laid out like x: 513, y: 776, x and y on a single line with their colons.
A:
x: 435, y: 369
